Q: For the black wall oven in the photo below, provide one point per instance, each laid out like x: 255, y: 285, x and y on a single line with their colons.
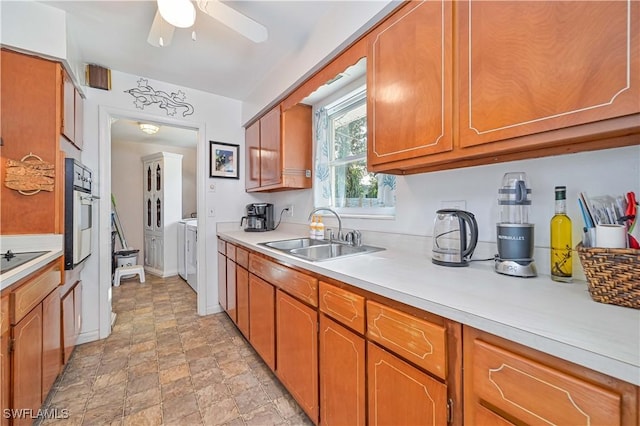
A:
x: 78, y: 213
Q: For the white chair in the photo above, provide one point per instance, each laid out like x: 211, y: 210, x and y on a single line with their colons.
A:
x: 125, y: 271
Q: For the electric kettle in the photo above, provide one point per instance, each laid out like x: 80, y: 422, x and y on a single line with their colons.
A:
x: 455, y: 235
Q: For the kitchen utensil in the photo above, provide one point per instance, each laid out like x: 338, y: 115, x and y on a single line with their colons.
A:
x: 633, y: 228
x: 514, y: 232
x: 455, y: 235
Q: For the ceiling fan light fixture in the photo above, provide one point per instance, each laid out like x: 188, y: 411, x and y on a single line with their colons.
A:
x: 179, y: 13
x: 148, y: 128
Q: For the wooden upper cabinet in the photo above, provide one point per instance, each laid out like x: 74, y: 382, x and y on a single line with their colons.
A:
x: 68, y: 123
x: 409, y: 84
x: 79, y: 120
x: 252, y: 156
x: 270, y: 148
x: 532, y: 67
x: 278, y: 150
x: 30, y: 123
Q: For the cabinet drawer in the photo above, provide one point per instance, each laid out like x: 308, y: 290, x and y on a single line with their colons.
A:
x: 295, y: 283
x: 415, y: 339
x: 343, y: 306
x: 533, y: 392
x: 231, y: 252
x: 35, y: 289
x: 242, y: 257
x: 222, y: 246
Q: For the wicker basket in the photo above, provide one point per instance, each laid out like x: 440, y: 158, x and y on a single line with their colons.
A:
x: 613, y: 274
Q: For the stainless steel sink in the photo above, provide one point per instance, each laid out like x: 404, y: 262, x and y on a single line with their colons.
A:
x: 296, y: 243
x: 318, y: 250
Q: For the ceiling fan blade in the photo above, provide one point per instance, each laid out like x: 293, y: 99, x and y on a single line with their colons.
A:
x: 160, y: 30
x: 235, y: 20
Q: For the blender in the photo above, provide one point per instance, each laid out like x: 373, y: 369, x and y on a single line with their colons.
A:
x: 514, y: 232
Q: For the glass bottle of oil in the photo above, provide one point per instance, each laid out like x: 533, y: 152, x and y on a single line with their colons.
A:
x: 561, y: 262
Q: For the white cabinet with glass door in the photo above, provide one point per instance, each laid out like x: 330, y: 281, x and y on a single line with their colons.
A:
x: 162, y: 209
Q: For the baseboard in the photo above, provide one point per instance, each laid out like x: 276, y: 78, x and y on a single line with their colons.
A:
x: 89, y: 336
x: 216, y: 309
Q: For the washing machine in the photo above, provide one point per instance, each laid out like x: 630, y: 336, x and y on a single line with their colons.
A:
x: 182, y: 245
x: 191, y: 254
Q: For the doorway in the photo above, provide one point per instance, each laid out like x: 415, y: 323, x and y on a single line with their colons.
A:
x: 107, y: 118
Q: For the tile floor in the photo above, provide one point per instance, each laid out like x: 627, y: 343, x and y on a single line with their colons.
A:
x: 165, y: 365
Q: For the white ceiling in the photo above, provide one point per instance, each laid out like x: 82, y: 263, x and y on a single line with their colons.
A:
x: 123, y: 130
x: 113, y: 34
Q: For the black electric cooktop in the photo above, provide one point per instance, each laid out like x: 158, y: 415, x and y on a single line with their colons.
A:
x: 12, y: 260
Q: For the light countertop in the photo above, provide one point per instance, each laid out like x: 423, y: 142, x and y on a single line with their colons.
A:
x: 50, y: 243
x: 555, y: 318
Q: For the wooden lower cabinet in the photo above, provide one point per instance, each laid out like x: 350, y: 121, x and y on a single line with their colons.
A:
x: 26, y: 364
x: 222, y: 281
x: 262, y: 327
x: 400, y: 394
x: 51, y: 341
x: 242, y: 300
x: 5, y: 366
x: 297, y: 351
x: 71, y: 304
x: 231, y: 290
x: 516, y: 384
x: 342, y: 375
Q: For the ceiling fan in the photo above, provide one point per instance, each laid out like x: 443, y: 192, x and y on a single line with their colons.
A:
x: 182, y: 14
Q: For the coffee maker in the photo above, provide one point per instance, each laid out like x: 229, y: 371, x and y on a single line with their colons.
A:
x: 259, y: 217
x: 514, y: 232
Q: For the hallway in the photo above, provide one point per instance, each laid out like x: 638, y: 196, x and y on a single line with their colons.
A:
x: 163, y: 364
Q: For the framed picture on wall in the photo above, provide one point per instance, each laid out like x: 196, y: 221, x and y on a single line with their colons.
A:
x: 224, y: 161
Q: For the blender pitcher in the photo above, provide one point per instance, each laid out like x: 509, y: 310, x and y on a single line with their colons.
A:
x: 514, y: 232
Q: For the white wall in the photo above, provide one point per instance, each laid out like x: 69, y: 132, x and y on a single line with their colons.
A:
x: 612, y: 171
x: 334, y: 32
x: 127, y: 183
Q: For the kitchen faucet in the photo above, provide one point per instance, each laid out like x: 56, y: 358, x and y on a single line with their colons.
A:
x: 334, y: 213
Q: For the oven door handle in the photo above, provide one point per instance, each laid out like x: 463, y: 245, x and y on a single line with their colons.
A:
x: 87, y: 199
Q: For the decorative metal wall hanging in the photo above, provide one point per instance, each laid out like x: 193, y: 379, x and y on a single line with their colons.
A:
x: 30, y: 175
x: 146, y: 95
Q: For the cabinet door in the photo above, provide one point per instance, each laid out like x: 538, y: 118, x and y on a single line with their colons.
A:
x: 26, y: 363
x: 51, y: 341
x: 531, y: 67
x: 231, y: 290
x: 79, y: 120
x: 262, y: 327
x: 400, y: 394
x: 242, y: 298
x: 68, y: 108
x: 5, y: 368
x: 270, y: 149
x: 297, y: 351
x: 409, y: 84
x: 222, y: 281
x: 68, y: 325
x: 158, y: 253
x: 252, y: 155
x: 77, y: 308
x: 342, y: 375
x: 148, y: 250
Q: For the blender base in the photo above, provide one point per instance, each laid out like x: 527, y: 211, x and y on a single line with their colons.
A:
x: 517, y: 269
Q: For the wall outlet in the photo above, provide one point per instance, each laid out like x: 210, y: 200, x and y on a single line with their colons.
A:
x: 212, y: 187
x: 211, y: 212
x: 288, y: 213
x: 456, y: 204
